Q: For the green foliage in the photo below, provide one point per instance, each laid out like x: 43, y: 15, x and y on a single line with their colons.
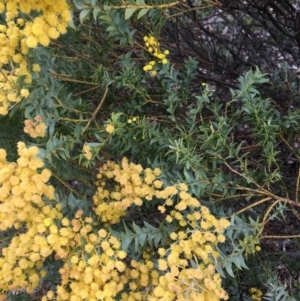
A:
x: 230, y: 153
x: 136, y: 239
x: 276, y: 291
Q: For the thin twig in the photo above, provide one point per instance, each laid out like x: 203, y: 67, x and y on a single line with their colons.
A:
x: 67, y: 79
x: 160, y: 6
x: 236, y: 172
x: 97, y: 110
x: 253, y: 205
x: 86, y: 91
x: 66, y: 185
x: 221, y: 198
x: 290, y: 148
x: 280, y: 236
x: 189, y: 10
x: 297, y: 186
x: 268, y: 211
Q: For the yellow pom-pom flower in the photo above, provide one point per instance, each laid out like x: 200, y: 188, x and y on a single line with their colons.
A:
x: 153, y: 47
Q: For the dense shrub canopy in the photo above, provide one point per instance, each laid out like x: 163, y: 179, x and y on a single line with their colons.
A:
x: 149, y: 150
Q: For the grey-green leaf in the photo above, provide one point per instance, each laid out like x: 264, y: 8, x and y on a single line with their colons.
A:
x: 126, y: 241
x: 129, y: 12
x: 84, y: 13
x: 142, y: 13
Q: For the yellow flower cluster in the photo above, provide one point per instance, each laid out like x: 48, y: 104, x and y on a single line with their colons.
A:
x: 142, y: 276
x: 36, y: 128
x: 133, y: 185
x: 130, y: 120
x: 256, y: 294
x: 153, y: 47
x: 93, y: 260
x: 87, y: 152
x: 196, y: 241
x: 28, y: 23
x: 110, y: 129
x: 251, y: 244
x: 257, y: 248
x: 8, y: 92
x: 173, y: 278
x: 94, y: 265
x: 22, y: 189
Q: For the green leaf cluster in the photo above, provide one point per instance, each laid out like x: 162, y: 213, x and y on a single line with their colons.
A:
x: 238, y: 154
